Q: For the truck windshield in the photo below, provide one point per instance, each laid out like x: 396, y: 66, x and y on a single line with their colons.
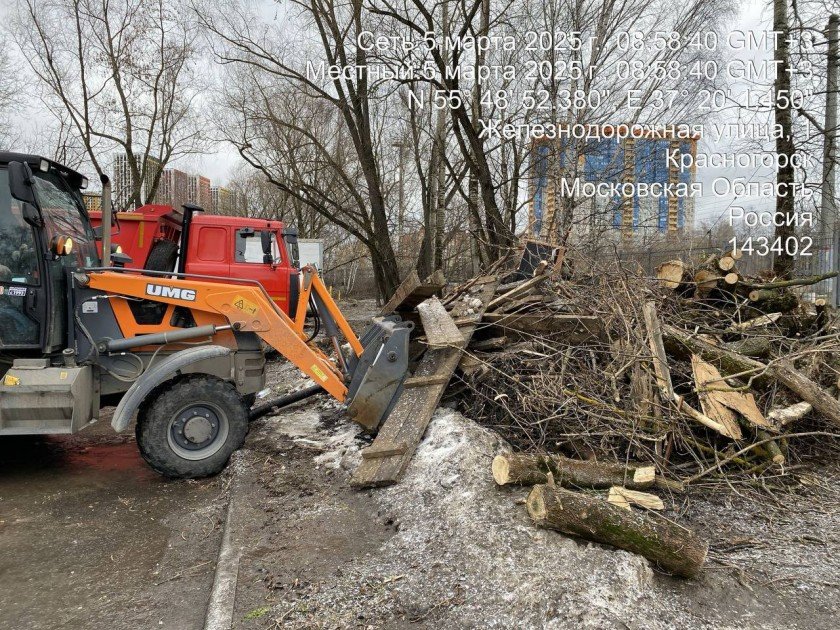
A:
x: 64, y: 216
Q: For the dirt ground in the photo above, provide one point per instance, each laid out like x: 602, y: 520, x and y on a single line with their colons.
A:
x: 91, y: 538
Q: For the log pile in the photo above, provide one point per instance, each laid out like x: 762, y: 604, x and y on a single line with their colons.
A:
x: 617, y: 390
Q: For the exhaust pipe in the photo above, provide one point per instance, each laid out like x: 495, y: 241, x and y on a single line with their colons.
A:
x: 107, y: 218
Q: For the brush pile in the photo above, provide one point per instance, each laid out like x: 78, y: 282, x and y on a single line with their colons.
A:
x: 699, y: 374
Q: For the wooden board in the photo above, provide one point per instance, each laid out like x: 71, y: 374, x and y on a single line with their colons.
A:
x: 440, y: 329
x: 411, y: 415
x: 723, y: 402
x: 412, y: 291
x: 708, y: 381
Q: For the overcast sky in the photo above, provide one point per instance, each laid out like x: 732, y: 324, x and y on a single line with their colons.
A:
x: 219, y: 164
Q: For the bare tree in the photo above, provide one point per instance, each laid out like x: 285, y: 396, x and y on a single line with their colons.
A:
x: 8, y: 91
x: 123, y: 73
x: 317, y: 137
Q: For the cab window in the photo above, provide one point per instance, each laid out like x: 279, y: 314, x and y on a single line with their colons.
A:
x: 64, y: 216
x: 18, y: 254
x: 256, y: 246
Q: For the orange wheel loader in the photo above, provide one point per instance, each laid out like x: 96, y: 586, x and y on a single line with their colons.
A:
x: 182, y: 352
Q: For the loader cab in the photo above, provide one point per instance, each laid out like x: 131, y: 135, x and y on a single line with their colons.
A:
x: 44, y: 236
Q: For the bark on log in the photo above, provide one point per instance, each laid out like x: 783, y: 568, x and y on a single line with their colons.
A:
x: 756, y: 322
x: 732, y: 363
x: 774, y: 453
x: 706, y: 281
x: 671, y: 547
x: 770, y: 300
x: 755, y: 347
x: 786, y: 415
x: 527, y: 469
x: 796, y: 282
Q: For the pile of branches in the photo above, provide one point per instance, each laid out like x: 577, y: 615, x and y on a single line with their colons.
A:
x: 702, y: 372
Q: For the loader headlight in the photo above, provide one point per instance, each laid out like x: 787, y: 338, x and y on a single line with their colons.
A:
x: 61, y: 245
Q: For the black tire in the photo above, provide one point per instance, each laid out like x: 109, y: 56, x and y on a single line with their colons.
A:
x: 192, y: 427
x: 163, y: 257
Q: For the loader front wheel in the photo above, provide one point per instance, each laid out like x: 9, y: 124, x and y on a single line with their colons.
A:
x: 192, y: 427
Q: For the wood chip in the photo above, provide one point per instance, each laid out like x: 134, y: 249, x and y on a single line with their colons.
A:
x: 624, y: 498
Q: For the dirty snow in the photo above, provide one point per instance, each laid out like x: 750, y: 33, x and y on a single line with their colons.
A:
x: 462, y: 553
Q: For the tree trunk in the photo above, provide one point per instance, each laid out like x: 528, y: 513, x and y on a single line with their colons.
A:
x: 527, y: 469
x: 785, y: 208
x: 671, y: 547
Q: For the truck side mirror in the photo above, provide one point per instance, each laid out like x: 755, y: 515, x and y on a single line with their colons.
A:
x: 20, y: 182
x: 265, y: 241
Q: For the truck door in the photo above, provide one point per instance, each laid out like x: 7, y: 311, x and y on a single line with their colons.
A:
x: 257, y: 256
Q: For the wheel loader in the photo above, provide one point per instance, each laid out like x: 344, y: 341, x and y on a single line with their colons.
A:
x: 183, y: 353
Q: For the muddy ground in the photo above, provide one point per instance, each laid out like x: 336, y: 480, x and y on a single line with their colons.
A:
x: 91, y: 538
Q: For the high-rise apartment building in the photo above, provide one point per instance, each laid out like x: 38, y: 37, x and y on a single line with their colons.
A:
x: 199, y: 191
x: 123, y: 186
x: 174, y: 188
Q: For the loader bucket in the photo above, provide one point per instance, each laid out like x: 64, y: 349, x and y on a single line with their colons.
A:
x: 377, y: 376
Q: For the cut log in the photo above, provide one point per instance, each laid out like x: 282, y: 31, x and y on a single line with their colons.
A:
x: 756, y: 322
x: 782, y: 371
x: 706, y: 281
x: 624, y: 498
x: 796, y: 282
x: 726, y: 263
x: 440, y: 329
x: 786, y: 415
x: 771, y: 447
x: 755, y: 347
x: 527, y: 469
x: 772, y: 300
x: 672, y: 274
x: 731, y: 278
x: 671, y: 547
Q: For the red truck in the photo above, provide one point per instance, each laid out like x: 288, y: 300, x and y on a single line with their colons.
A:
x: 154, y: 237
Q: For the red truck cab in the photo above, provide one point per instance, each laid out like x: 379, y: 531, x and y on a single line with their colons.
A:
x: 160, y: 238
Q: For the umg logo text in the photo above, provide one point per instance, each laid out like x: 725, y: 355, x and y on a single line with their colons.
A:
x: 160, y: 290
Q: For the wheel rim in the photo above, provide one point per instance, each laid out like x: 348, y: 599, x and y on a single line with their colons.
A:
x: 198, y: 430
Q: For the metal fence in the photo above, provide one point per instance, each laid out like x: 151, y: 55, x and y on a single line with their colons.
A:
x: 356, y: 279
x: 821, y: 258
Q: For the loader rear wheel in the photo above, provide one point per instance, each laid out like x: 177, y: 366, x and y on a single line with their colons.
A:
x: 192, y: 427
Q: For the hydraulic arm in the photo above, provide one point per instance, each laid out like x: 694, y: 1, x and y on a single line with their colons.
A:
x: 368, y: 379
